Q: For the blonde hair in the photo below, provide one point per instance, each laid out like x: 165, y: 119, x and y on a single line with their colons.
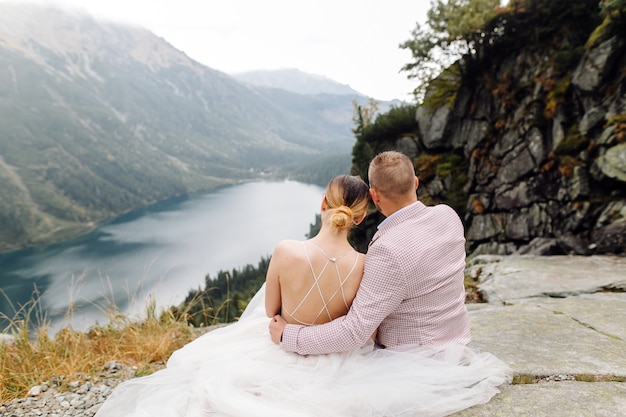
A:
x: 392, y: 174
x: 347, y: 198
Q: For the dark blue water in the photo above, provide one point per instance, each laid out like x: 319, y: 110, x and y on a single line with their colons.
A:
x: 160, y: 253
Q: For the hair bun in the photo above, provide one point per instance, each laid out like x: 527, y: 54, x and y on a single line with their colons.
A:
x: 341, y: 217
x: 347, y: 198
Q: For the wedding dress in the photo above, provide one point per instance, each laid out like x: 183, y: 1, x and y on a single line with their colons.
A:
x: 237, y: 371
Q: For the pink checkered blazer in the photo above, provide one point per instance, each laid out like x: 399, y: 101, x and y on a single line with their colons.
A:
x: 412, y: 289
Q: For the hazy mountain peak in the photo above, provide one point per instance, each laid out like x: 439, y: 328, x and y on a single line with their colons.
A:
x: 296, y: 81
x: 28, y: 28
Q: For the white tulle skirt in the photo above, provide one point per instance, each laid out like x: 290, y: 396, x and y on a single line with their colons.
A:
x: 237, y: 371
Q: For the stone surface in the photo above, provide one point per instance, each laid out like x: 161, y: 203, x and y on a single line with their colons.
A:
x: 562, y: 399
x: 597, y: 311
x: 589, y: 74
x: 516, y: 277
x: 433, y: 126
x: 554, y: 340
x: 613, y: 162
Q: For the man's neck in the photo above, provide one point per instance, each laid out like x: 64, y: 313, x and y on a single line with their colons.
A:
x: 400, y: 205
x: 393, y: 214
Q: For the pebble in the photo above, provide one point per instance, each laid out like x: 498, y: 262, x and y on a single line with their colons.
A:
x: 557, y: 378
x: 82, y: 399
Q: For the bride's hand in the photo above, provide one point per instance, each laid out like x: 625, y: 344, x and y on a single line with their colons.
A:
x: 277, y: 326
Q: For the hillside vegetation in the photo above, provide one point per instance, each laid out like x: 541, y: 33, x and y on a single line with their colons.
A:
x: 97, y: 119
x: 522, y: 127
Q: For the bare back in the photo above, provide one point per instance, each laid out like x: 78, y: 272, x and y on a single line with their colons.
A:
x: 317, y: 284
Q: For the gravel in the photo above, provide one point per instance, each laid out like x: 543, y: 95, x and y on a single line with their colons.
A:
x: 79, y: 398
x: 83, y: 398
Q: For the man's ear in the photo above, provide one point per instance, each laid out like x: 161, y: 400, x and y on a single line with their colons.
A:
x: 417, y: 182
x: 375, y: 195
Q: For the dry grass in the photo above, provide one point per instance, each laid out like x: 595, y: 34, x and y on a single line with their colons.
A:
x: 522, y: 379
x: 472, y: 294
x: 35, y: 356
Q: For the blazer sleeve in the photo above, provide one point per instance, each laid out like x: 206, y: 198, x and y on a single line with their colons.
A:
x: 381, y: 291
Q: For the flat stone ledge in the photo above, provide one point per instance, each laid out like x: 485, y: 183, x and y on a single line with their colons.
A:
x: 562, y: 399
x: 553, y: 316
x: 603, y: 312
x: 509, y: 278
x: 546, y: 339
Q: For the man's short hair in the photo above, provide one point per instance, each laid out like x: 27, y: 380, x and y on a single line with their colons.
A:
x: 392, y: 174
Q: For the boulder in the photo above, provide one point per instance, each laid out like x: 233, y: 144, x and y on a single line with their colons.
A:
x: 591, y: 71
x: 433, y: 127
x: 613, y: 162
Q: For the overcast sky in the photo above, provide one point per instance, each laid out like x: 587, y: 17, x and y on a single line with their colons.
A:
x: 354, y: 42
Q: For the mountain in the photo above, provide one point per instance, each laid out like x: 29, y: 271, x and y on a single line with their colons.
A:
x: 295, y: 81
x: 97, y: 119
x: 299, y: 82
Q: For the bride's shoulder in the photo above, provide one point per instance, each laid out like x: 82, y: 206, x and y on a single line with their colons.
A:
x: 287, y: 246
x: 286, y: 252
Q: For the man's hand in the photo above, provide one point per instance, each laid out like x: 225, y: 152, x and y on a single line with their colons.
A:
x: 277, y: 326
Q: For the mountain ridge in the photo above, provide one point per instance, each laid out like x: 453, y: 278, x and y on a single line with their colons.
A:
x: 296, y: 81
x: 98, y: 119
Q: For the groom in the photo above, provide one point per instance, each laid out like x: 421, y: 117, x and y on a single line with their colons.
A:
x: 412, y: 291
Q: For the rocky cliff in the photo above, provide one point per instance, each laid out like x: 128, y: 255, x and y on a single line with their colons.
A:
x: 540, y: 121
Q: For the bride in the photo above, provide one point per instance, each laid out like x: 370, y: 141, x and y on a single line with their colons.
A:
x: 238, y: 371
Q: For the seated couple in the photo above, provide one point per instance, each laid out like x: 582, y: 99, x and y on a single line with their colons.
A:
x: 384, y: 334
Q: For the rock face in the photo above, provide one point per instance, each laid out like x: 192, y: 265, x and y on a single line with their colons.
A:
x: 508, y: 279
x: 547, y: 151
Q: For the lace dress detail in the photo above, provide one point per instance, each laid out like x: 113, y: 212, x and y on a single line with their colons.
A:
x: 315, y: 285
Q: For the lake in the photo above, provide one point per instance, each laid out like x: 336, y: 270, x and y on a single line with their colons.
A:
x: 160, y: 252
